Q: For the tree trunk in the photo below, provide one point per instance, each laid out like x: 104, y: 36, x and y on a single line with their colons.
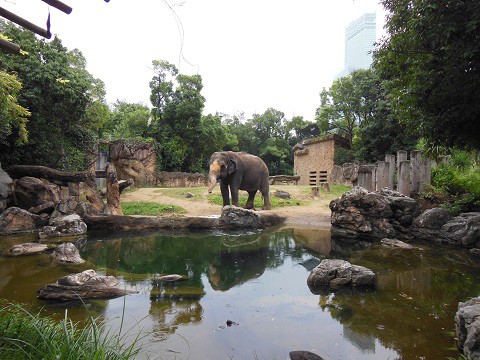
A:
x: 113, y: 191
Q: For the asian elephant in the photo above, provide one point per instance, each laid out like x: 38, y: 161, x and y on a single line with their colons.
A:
x: 239, y: 171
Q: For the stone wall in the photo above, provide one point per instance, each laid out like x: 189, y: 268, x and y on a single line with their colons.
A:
x: 134, y: 160
x: 181, y: 179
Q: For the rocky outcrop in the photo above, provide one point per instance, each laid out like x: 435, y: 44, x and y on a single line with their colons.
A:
x: 15, y: 220
x: 134, y: 160
x: 467, y: 327
x: 68, y: 225
x: 30, y: 193
x: 237, y: 217
x: 28, y: 249
x: 67, y: 253
x: 335, y: 273
x: 438, y: 225
x: 6, y: 195
x: 84, y: 285
x: 362, y: 215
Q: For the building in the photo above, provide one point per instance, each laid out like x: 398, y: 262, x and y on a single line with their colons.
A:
x: 314, y: 159
x: 360, y: 37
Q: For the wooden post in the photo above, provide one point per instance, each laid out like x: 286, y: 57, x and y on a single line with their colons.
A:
x: 113, y: 191
x: 404, y: 177
x: 402, y: 155
x: 382, y: 175
x: 415, y: 163
x: 390, y: 159
x: 425, y: 174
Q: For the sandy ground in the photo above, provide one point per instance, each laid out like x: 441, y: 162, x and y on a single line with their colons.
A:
x: 314, y: 214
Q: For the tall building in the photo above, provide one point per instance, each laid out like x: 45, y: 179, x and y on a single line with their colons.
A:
x: 360, y: 37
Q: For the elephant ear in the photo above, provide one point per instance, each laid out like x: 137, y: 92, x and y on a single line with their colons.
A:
x: 232, y: 167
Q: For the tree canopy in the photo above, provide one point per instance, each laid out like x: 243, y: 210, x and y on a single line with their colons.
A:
x: 431, y: 58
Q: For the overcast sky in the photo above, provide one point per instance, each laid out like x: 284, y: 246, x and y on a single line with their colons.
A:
x: 251, y: 54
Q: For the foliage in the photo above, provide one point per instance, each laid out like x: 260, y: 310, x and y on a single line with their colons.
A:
x: 431, y: 58
x: 148, y: 208
x: 126, y: 121
x: 63, y: 98
x: 358, y: 108
x: 27, y: 336
x: 12, y: 115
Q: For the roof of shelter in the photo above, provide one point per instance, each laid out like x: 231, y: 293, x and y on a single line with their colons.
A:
x: 337, y: 138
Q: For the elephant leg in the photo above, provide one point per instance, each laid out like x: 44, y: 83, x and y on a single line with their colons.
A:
x: 234, y: 193
x: 265, y: 190
x: 225, y: 194
x: 251, y: 199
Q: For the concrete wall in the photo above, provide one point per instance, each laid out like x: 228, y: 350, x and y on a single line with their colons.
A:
x: 315, y: 162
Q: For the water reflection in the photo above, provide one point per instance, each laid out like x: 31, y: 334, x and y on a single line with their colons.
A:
x: 258, y: 280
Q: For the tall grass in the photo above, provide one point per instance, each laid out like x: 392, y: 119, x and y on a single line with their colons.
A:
x: 30, y: 336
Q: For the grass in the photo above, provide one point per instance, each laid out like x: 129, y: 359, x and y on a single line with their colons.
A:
x: 150, y: 209
x: 27, y: 336
x: 258, y: 203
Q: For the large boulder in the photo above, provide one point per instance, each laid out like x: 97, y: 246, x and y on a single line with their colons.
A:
x: 363, y: 215
x: 84, y: 285
x: 30, y: 192
x: 134, y: 160
x: 334, y: 273
x: 15, y: 220
x: 68, y: 225
x: 467, y: 327
x: 238, y: 217
x: 6, y: 194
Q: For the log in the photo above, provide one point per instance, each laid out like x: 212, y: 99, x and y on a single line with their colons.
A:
x: 113, y: 191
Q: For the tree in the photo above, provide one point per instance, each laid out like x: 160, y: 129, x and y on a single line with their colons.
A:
x: 177, y: 111
x: 12, y: 115
x: 127, y: 121
x: 432, y: 58
x: 57, y: 91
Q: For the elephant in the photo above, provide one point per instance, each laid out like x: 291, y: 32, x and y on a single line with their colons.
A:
x: 239, y: 171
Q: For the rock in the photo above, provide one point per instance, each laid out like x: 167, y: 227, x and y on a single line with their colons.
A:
x: 304, y: 355
x: 15, y: 220
x: 68, y: 225
x: 432, y: 219
x: 397, y: 244
x: 362, y: 215
x: 189, y: 195
x: 84, y: 285
x: 282, y: 194
x: 467, y: 328
x: 30, y: 192
x: 169, y: 279
x: 240, y: 218
x: 28, y: 249
x: 134, y: 160
x: 335, y: 272
x: 475, y: 251
x: 46, y: 208
x: 67, y: 253
x: 6, y: 194
x: 463, y: 230
x: 66, y: 206
x: 86, y: 209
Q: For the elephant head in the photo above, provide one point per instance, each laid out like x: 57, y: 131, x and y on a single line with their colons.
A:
x: 222, y: 164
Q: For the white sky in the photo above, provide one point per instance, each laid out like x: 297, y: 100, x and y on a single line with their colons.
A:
x: 251, y: 54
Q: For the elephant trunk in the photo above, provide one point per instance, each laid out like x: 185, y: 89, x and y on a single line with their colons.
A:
x: 213, y: 182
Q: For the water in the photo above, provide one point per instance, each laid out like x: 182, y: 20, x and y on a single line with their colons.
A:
x: 256, y: 282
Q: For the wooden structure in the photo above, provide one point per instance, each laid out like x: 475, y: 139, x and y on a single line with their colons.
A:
x: 315, y: 158
x: 15, y: 49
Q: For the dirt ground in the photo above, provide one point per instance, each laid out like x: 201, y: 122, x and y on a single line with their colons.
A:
x: 315, y: 213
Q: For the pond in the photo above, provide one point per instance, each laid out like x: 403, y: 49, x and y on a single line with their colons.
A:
x: 256, y: 281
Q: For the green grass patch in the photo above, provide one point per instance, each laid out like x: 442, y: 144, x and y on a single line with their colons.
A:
x: 150, y: 209
x: 258, y: 203
x: 27, y: 336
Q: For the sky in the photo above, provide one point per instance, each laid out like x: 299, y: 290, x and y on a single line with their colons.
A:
x: 252, y: 54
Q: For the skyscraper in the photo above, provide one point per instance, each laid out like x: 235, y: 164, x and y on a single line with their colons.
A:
x: 360, y: 37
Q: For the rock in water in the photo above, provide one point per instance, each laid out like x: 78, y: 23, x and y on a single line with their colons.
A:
x: 28, y: 249
x: 304, y: 355
x: 63, y: 226
x: 467, y: 327
x: 84, y: 285
x: 15, y: 220
x: 397, y: 244
x: 335, y: 273
x: 67, y: 253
